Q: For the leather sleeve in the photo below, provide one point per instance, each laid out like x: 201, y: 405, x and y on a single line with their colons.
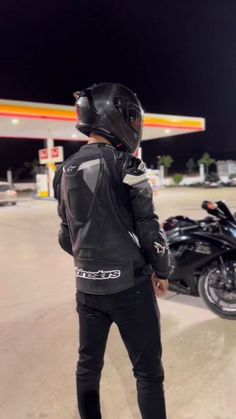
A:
x: 151, y: 237
x: 64, y: 234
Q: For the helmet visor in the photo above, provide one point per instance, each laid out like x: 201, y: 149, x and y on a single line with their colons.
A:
x: 131, y: 113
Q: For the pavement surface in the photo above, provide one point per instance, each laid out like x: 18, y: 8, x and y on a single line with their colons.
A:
x: 39, y: 327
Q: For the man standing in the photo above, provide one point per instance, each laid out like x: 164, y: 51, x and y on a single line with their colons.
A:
x: 110, y: 227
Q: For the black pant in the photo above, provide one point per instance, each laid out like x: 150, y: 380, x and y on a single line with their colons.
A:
x: 136, y: 314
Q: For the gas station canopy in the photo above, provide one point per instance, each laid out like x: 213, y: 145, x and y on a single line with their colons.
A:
x: 41, y: 121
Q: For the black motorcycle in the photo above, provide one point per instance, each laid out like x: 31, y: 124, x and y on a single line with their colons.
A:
x: 203, y: 254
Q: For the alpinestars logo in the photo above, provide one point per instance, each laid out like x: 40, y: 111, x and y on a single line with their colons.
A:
x: 97, y: 276
x: 71, y: 168
x: 159, y: 248
x: 142, y: 167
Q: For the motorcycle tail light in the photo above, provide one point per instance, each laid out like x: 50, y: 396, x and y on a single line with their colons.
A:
x: 211, y: 206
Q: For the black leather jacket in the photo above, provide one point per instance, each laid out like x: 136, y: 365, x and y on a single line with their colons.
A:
x: 108, y: 221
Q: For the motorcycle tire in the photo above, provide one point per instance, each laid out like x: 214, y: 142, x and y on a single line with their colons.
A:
x: 203, y: 288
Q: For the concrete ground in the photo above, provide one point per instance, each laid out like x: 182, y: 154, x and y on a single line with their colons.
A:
x: 39, y: 329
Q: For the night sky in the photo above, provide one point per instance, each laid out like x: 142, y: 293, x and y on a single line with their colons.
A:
x: 178, y: 55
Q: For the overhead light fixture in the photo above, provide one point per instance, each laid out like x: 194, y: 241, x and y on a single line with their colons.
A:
x: 167, y: 131
x: 15, y: 121
x: 74, y: 136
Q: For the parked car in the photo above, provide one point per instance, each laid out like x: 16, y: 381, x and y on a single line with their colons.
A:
x: 232, y: 180
x: 8, y: 194
x: 212, y: 181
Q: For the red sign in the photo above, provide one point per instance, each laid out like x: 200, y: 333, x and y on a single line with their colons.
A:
x: 55, y: 152
x: 43, y: 154
x: 51, y: 155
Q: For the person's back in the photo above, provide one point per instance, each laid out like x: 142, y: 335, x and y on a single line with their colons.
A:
x: 109, y: 226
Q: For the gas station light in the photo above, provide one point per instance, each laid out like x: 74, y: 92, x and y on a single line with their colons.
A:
x: 15, y: 121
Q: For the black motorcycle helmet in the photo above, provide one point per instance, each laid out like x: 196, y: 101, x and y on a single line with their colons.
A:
x: 113, y: 111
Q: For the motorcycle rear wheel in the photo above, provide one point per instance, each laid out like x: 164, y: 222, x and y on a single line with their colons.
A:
x: 219, y: 301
